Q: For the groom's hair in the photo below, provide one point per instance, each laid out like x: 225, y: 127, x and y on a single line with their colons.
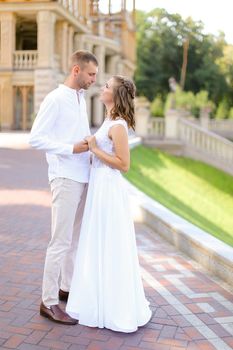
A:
x: 82, y: 57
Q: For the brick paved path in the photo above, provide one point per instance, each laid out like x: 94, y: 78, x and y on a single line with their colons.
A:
x: 190, y: 310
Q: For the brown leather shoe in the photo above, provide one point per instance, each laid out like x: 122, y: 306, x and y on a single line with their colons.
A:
x: 54, y: 313
x: 63, y: 295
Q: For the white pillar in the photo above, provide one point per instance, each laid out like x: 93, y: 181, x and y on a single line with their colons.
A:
x: 204, y: 117
x: 79, y: 42
x: 113, y: 64
x: 100, y: 54
x: 70, y: 41
x: 89, y: 46
x: 171, y: 118
x: 44, y: 74
x: 142, y: 116
x: 120, y: 67
x: 64, y: 39
x: 45, y: 38
x: 88, y: 105
x: 98, y: 112
x: 7, y: 39
x: 7, y: 48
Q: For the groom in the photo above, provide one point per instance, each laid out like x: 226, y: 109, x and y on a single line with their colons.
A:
x: 59, y: 129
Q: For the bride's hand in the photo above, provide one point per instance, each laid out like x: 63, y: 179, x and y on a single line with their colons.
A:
x: 87, y: 138
x: 91, y: 142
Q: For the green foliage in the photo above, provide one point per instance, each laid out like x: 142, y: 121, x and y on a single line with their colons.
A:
x: 157, y: 107
x: 202, y: 102
x: 160, y: 37
x: 230, y: 115
x: 196, y: 191
x: 183, y: 100
x: 202, y: 99
x: 222, y: 110
x: 170, y: 102
x: 226, y: 65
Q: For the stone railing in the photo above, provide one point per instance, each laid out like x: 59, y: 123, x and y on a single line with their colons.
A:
x: 211, y: 147
x: 222, y: 127
x: 77, y: 8
x: 156, y: 127
x: 25, y: 59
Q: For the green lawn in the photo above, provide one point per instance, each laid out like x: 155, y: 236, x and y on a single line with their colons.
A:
x: 196, y: 191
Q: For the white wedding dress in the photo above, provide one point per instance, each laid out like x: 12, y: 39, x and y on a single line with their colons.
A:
x: 106, y: 289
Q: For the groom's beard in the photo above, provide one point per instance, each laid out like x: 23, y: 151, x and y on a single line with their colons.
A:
x: 84, y: 85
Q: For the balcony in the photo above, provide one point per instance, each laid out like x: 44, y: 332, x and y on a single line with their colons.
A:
x: 25, y: 60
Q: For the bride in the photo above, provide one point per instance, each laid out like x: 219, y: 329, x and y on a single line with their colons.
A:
x: 106, y: 289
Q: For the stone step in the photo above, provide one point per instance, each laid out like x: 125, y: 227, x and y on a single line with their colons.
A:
x: 174, y: 147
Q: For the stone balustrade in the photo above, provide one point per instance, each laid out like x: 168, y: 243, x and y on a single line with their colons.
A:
x: 25, y: 59
x: 225, y: 124
x: 213, y: 148
x: 76, y: 8
x: 184, y: 136
x: 156, y: 127
x: 222, y: 127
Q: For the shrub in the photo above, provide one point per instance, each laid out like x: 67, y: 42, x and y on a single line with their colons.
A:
x: 157, y: 107
x: 222, y: 110
x: 230, y: 115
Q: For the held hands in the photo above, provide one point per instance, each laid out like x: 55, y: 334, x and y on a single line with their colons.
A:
x: 89, y: 143
x: 91, y: 140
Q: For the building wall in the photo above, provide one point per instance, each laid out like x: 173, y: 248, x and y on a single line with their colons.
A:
x: 36, y: 41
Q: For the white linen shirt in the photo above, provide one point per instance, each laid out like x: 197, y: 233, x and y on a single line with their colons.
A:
x: 60, y: 123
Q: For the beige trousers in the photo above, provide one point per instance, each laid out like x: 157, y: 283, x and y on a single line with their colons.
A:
x: 68, y: 201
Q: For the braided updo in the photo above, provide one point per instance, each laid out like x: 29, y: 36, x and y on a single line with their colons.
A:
x: 123, y: 98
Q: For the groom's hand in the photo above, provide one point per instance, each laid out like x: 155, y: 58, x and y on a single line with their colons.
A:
x: 81, y: 147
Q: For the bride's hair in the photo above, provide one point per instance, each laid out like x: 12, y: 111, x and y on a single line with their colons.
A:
x: 123, y: 99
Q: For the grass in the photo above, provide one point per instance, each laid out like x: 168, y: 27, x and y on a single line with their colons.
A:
x: 200, y: 193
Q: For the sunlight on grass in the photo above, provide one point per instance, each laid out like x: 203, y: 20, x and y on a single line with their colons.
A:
x: 196, y: 191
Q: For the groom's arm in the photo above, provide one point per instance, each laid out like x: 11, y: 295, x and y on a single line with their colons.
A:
x: 44, y: 123
x: 40, y: 136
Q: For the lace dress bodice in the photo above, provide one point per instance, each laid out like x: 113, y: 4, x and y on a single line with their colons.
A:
x: 103, y: 140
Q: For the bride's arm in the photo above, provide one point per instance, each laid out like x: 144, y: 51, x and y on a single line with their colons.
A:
x: 121, y: 159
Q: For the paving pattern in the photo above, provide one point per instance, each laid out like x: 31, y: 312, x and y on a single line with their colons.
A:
x: 191, y: 310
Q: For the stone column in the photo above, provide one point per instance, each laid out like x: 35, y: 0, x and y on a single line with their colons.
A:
x: 98, y: 111
x: 45, y: 38
x: 44, y: 74
x: 70, y: 41
x: 171, y: 118
x: 64, y: 54
x: 100, y: 54
x: 204, y: 117
x: 142, y: 116
x: 101, y: 28
x: 113, y: 64
x: 7, y: 48
x: 89, y: 46
x: 76, y: 8
x: 79, y: 42
x: 6, y: 101
x: 24, y: 90
x: 120, y: 67
x: 88, y: 105
x: 7, y: 39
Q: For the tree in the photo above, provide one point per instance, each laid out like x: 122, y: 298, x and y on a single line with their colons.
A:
x: 226, y: 66
x: 160, y: 38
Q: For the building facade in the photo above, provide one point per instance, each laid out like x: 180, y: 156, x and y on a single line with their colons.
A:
x: 37, y: 38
